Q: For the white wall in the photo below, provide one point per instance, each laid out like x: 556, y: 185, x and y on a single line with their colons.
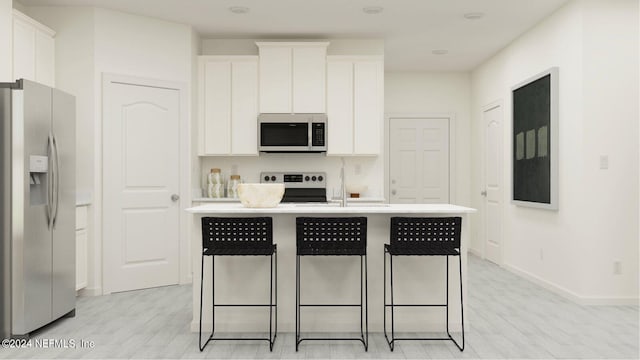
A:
x: 6, y: 40
x: 610, y: 70
x: 572, y: 250
x: 74, y: 59
x: 91, y: 42
x: 437, y: 94
x: 249, y: 168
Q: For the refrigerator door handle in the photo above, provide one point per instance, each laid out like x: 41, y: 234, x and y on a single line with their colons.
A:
x: 56, y: 191
x: 50, y: 181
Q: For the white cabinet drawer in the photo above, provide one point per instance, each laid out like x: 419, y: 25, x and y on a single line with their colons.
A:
x: 81, y: 217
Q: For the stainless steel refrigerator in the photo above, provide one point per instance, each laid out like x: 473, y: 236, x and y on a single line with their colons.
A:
x: 37, y: 194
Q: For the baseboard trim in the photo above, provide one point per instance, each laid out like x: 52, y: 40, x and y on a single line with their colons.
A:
x: 89, y: 292
x: 475, y: 252
x: 568, y: 294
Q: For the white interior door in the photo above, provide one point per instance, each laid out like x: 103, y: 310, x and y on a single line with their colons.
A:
x: 492, y: 118
x: 419, y: 160
x: 140, y: 186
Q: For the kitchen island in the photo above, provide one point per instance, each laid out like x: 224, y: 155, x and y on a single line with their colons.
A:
x: 241, y: 279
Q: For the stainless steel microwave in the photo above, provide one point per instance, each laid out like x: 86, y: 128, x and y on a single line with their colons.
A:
x: 292, y: 132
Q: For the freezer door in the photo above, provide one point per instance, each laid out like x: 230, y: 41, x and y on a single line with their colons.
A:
x: 5, y: 214
x: 31, y: 237
x: 64, y: 217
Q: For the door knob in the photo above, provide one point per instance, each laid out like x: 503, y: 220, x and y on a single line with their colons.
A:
x: 393, y: 192
x: 175, y: 197
x: 483, y: 192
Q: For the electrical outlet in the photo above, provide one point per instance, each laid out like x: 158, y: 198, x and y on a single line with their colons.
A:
x: 541, y: 254
x: 617, y: 267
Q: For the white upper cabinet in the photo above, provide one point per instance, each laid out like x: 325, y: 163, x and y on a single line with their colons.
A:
x: 340, y: 107
x: 275, y: 79
x: 309, y: 77
x: 228, y: 105
x: 292, y: 77
x: 355, y: 109
x: 33, y: 50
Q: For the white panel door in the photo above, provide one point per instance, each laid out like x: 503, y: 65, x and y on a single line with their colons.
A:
x: 44, y: 58
x: 340, y: 107
x: 140, y: 178
x: 368, y: 104
x: 309, y: 76
x: 244, y: 108
x: 492, y: 118
x: 24, y: 51
x: 217, y: 107
x: 419, y: 160
x: 275, y: 79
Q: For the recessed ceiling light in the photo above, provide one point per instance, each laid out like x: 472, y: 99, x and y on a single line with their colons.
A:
x: 439, y: 51
x: 372, y: 10
x: 474, y: 15
x: 239, y: 9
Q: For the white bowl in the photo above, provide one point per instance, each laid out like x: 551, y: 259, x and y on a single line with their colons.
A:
x: 260, y: 195
x: 356, y: 188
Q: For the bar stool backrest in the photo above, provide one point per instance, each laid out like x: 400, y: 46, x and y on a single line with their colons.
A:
x: 331, y: 236
x: 429, y: 233
x: 236, y: 234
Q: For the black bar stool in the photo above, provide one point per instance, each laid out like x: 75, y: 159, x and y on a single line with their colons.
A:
x: 240, y: 237
x: 422, y: 237
x: 333, y: 237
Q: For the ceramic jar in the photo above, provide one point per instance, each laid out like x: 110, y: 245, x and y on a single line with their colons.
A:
x: 215, y: 184
x: 232, y: 186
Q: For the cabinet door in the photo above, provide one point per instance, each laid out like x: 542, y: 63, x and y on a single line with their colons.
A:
x: 217, y: 107
x: 340, y: 107
x: 81, y: 259
x: 24, y: 51
x: 275, y: 79
x: 44, y: 58
x: 309, y: 74
x: 368, y: 107
x: 244, y: 108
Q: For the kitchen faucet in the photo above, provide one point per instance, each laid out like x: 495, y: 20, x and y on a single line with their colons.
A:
x: 343, y: 200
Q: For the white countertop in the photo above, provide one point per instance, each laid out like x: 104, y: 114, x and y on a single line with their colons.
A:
x: 231, y: 208
x: 83, y: 198
x: 349, y: 200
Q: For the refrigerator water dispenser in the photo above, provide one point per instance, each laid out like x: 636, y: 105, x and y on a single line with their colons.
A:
x: 38, y: 170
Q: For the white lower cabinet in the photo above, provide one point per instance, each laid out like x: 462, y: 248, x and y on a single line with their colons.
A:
x: 81, y: 247
x: 355, y: 105
x: 228, y: 105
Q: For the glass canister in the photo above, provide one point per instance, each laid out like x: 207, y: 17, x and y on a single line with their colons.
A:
x: 215, y: 184
x: 232, y: 186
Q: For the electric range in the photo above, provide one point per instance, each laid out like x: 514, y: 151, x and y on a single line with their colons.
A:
x: 299, y: 187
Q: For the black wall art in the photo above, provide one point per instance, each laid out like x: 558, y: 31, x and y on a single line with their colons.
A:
x: 535, y: 141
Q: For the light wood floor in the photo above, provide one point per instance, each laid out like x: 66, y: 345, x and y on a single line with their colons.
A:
x: 509, y: 317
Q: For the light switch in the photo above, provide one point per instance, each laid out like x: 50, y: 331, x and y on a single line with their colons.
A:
x: 604, y: 162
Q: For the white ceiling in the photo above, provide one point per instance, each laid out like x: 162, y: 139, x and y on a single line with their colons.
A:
x: 411, y: 29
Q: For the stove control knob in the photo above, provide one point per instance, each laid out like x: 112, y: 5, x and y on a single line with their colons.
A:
x: 273, y: 178
x: 306, y: 178
x: 266, y: 178
x: 313, y: 178
x: 320, y: 178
